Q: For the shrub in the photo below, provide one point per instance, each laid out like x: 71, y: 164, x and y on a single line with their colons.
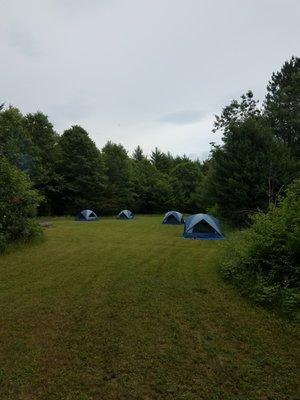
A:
x: 263, y: 261
x: 18, y: 205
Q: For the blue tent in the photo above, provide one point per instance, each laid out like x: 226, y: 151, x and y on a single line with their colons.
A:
x: 125, y: 214
x: 86, y: 215
x: 202, y: 226
x: 173, y: 217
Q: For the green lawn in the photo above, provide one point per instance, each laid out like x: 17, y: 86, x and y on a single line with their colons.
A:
x: 130, y: 310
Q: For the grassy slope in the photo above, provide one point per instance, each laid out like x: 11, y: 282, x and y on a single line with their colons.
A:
x: 129, y: 310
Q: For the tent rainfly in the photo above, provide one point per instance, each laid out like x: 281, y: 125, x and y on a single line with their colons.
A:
x: 202, y: 226
x: 173, y: 217
x: 86, y: 215
x: 125, y: 214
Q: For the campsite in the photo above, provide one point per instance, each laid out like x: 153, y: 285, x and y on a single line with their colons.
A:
x: 149, y: 200
x: 127, y: 310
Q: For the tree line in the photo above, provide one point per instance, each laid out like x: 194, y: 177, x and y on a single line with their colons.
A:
x: 71, y: 173
x: 257, y: 160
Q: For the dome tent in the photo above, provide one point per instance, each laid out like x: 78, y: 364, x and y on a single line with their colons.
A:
x: 86, y: 215
x: 173, y: 218
x: 202, y: 226
x: 125, y: 214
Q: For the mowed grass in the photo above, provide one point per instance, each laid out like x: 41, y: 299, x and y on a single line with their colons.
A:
x: 130, y: 310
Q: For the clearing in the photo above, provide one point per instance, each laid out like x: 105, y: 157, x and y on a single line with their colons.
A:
x: 116, y: 309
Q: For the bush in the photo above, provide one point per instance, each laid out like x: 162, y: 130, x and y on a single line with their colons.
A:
x: 18, y: 205
x: 263, y: 261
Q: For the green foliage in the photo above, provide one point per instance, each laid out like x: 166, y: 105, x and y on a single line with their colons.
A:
x: 163, y: 162
x: 242, y: 176
x: 236, y: 113
x: 18, y: 205
x: 119, y: 194
x: 30, y: 143
x: 162, y: 198
x: 153, y: 189
x: 282, y: 104
x: 263, y: 262
x: 186, y: 179
x: 138, y: 154
x: 15, y: 144
x: 71, y: 173
x: 44, y: 158
x: 165, y: 182
x: 82, y: 171
x: 246, y: 173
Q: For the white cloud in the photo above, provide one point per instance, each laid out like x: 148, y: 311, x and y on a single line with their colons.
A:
x: 142, y: 72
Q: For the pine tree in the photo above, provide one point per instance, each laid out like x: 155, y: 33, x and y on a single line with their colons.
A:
x: 138, y: 154
x: 246, y: 173
x: 282, y: 104
x: 163, y: 162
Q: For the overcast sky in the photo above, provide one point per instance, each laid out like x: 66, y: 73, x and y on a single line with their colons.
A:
x: 148, y: 72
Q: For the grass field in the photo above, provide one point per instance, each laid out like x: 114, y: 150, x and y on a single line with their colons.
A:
x: 130, y: 310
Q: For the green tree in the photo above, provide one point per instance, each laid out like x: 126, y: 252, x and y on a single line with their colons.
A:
x: 83, y: 173
x: 18, y: 205
x: 138, y: 154
x: 44, y: 156
x: 119, y: 193
x: 282, y: 104
x: 15, y: 144
x: 186, y: 178
x: 263, y: 261
x: 162, y: 199
x: 247, y: 172
x: 163, y: 162
x: 153, y: 189
x: 237, y: 112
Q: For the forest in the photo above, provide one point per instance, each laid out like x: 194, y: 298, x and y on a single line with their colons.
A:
x: 257, y: 160
x: 44, y: 173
